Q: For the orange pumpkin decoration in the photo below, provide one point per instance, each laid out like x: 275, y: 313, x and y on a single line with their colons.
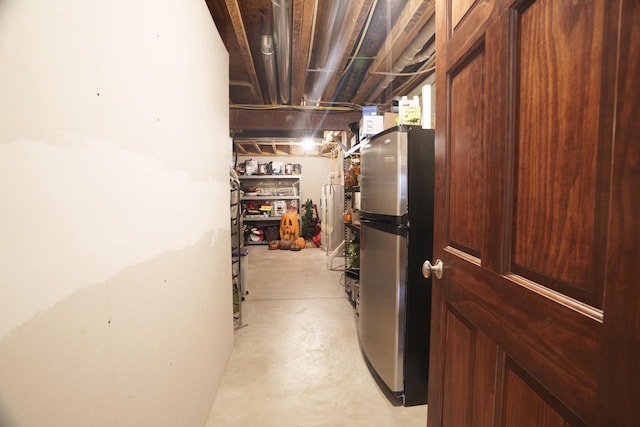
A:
x: 273, y: 244
x: 284, y: 244
x: 300, y: 242
x: 289, y: 226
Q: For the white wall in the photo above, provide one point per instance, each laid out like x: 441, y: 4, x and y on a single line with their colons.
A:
x: 115, y: 304
x: 315, y: 173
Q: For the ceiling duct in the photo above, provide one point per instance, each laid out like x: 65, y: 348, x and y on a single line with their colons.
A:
x: 424, y: 56
x: 332, y: 43
x: 406, y: 58
x: 384, y: 16
x: 269, y: 59
x: 282, y: 37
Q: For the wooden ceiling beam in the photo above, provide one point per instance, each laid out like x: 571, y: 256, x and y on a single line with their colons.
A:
x: 238, y: 27
x: 290, y: 120
x: 413, y: 17
x: 414, y: 81
x: 361, y: 10
x: 240, y: 148
x: 302, y: 25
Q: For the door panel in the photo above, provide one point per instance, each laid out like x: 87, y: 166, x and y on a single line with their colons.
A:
x: 466, y: 146
x: 526, y: 403
x: 458, y: 9
x: 555, y: 204
x: 557, y: 344
x: 528, y: 116
x: 459, y: 348
x: 470, y: 19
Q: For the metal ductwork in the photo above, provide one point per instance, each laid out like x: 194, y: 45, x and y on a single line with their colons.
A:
x: 424, y: 56
x: 407, y: 57
x: 333, y: 35
x: 269, y: 58
x: 332, y: 44
x: 282, y: 39
x: 384, y: 16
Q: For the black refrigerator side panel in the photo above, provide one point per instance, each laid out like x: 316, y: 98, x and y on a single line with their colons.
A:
x: 421, y: 182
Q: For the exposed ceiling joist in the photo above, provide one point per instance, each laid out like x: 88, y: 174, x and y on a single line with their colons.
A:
x: 283, y: 147
x: 293, y: 120
x: 338, y: 50
x: 303, y: 18
x: 241, y: 149
x: 361, y: 10
x: 257, y: 147
x: 414, y: 16
x: 238, y: 25
x: 361, y: 38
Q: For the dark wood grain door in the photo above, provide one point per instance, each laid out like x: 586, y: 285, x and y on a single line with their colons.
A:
x: 536, y: 320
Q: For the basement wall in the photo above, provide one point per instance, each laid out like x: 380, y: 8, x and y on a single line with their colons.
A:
x: 115, y: 296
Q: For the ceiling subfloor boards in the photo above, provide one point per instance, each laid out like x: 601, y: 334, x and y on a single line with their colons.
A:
x: 238, y: 25
x: 413, y: 17
x: 295, y: 121
x: 338, y: 48
x: 362, y: 9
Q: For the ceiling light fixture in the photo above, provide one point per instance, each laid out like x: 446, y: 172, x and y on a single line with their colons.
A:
x: 308, y: 144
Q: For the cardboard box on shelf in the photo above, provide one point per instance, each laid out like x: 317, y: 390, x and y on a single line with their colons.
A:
x: 371, y: 125
x: 370, y: 110
x: 390, y: 120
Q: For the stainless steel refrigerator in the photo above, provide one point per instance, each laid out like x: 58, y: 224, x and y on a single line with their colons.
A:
x: 332, y: 208
x: 397, y: 181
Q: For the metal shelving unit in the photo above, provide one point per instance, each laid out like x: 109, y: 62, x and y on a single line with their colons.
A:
x: 284, y: 190
x: 237, y: 239
x: 351, y: 246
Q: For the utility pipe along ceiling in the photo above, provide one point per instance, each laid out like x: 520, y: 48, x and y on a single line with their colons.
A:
x: 301, y: 67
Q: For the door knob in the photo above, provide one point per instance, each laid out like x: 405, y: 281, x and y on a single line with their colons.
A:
x: 428, y: 269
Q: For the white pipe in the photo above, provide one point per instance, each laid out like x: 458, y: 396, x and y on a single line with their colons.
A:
x: 337, y: 251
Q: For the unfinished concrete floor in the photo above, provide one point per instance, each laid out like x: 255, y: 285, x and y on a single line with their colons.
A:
x: 297, y: 361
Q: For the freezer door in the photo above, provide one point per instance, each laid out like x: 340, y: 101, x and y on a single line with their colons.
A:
x: 383, y: 171
x: 332, y: 204
x: 381, y: 325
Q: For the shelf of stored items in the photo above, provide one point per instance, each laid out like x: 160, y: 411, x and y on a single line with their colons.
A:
x: 352, y: 261
x: 237, y: 264
x: 265, y: 199
x: 270, y: 197
x: 352, y: 227
x: 259, y: 177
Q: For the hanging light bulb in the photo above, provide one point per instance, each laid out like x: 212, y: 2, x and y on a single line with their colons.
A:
x: 308, y: 144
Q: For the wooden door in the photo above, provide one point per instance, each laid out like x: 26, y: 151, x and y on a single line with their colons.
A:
x: 536, y: 320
